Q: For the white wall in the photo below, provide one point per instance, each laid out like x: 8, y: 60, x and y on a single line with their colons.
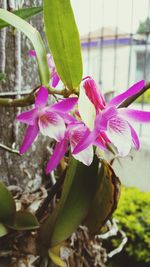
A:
x: 122, y: 65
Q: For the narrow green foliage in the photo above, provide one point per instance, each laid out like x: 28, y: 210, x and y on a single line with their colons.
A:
x: 7, y: 204
x: 3, y: 230
x: 23, y: 220
x: 64, y: 43
x: 34, y: 37
x: 23, y: 13
x: 79, y: 187
x: 105, y: 199
x: 89, y: 197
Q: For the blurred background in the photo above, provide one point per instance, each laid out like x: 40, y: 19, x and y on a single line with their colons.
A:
x: 115, y: 40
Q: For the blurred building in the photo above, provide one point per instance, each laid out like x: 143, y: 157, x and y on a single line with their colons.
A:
x: 116, y: 59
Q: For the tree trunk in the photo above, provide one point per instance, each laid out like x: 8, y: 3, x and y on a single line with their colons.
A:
x: 21, y: 75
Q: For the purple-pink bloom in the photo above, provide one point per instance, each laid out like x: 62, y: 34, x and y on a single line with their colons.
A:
x: 49, y: 120
x: 32, y: 53
x: 115, y: 122
x: 74, y: 133
x: 54, y: 75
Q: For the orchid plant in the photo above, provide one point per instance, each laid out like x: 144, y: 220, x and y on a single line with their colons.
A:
x: 79, y: 123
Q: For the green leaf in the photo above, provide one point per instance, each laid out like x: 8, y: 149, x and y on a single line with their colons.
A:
x: 34, y: 37
x: 3, y: 230
x: 105, y: 199
x: 2, y: 76
x: 7, y: 204
x: 78, y: 190
x: 54, y: 254
x: 23, y: 220
x: 63, y: 39
x: 23, y: 13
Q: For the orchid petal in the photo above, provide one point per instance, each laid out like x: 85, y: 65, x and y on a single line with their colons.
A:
x: 86, y: 109
x: 131, y: 91
x: 67, y: 118
x: 135, y: 115
x: 100, y: 142
x: 87, y: 139
x: 41, y: 97
x: 103, y: 117
x: 55, y: 79
x: 94, y: 94
x: 29, y: 117
x: 32, y: 53
x: 85, y: 156
x: 65, y: 105
x: 58, y: 153
x: 30, y: 136
x: 135, y: 138
x: 120, y: 135
x: 50, y: 62
x: 52, y: 125
x: 105, y: 137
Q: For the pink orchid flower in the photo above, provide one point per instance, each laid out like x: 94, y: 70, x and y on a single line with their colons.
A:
x: 54, y: 75
x: 74, y: 133
x: 115, y: 122
x: 49, y: 120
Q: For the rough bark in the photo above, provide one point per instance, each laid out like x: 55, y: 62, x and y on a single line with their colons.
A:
x: 21, y: 74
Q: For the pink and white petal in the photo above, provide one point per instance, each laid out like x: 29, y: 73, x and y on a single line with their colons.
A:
x: 41, y: 97
x: 99, y: 142
x: 50, y: 62
x: 52, y: 125
x: 29, y: 117
x: 134, y: 89
x: 134, y: 115
x: 94, y: 94
x: 102, y: 118
x: 85, y: 156
x: 135, y: 138
x: 58, y: 153
x: 86, y: 109
x: 29, y: 138
x: 65, y: 105
x: 105, y: 137
x: 120, y: 135
x: 87, y: 139
x: 55, y: 79
x: 67, y: 118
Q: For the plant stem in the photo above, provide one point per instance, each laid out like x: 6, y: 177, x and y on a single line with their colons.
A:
x: 131, y: 99
x: 29, y: 99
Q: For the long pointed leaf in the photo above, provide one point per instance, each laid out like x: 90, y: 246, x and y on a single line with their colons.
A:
x: 34, y: 37
x: 63, y: 39
x: 23, y: 13
x: 79, y: 187
x: 22, y: 220
x: 105, y: 199
x: 3, y: 230
x: 7, y: 203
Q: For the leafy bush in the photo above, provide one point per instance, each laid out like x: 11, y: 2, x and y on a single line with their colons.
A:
x: 133, y: 214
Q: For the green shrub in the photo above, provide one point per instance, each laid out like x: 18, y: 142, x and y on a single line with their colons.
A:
x: 133, y: 214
